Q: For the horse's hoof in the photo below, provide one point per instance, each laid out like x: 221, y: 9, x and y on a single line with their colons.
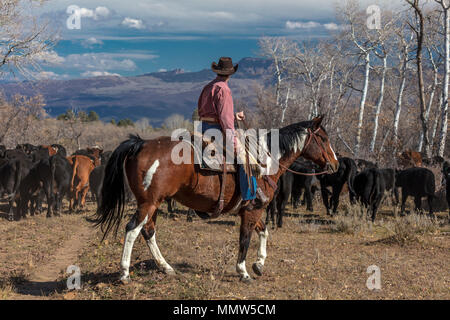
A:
x: 257, y: 268
x: 247, y: 279
x: 170, y: 272
x: 125, y: 280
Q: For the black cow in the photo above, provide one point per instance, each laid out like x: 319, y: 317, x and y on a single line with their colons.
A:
x: 369, y: 187
x: 389, y: 180
x: 446, y: 176
x: 60, y: 149
x: 53, y: 175
x: 345, y: 174
x: 10, y: 177
x: 291, y: 185
x: 418, y: 183
x: 96, y: 182
x: 362, y: 164
x: 27, y: 148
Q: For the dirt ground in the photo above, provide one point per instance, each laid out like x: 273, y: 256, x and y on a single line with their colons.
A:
x: 312, y: 256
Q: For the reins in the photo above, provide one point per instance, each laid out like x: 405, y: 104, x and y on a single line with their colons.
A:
x: 310, y: 135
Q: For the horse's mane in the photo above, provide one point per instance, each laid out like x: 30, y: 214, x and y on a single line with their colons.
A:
x: 292, y: 137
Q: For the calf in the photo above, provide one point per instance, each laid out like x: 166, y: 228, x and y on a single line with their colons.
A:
x: 290, y: 185
x: 362, y: 164
x: 418, y: 183
x: 96, y: 182
x: 82, y: 167
x: 389, y: 180
x: 446, y: 176
x: 369, y: 187
x: 345, y: 174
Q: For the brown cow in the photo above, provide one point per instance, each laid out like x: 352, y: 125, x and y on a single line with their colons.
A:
x: 410, y: 158
x: 82, y: 167
x: 51, y: 151
x: 93, y: 153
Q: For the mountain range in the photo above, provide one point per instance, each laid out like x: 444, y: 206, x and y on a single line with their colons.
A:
x: 154, y: 95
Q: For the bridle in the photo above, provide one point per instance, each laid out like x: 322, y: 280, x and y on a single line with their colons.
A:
x: 311, y: 135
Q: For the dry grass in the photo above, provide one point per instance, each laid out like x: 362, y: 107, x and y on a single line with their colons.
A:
x: 404, y: 230
x: 307, y: 258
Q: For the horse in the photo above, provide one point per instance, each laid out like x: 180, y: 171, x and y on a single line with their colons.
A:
x: 153, y: 177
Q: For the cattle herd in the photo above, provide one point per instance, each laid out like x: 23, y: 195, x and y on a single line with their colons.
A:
x: 30, y: 175
x: 367, y: 184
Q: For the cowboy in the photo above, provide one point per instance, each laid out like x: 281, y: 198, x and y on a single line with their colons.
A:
x: 216, y: 110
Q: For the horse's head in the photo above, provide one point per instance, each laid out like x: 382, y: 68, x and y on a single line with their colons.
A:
x: 318, y: 147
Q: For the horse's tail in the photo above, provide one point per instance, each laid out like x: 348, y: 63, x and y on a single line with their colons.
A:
x: 113, y: 193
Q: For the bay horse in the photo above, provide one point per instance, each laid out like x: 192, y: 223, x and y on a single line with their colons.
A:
x: 153, y: 177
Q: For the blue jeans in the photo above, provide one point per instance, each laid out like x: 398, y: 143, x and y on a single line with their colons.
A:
x: 247, y: 193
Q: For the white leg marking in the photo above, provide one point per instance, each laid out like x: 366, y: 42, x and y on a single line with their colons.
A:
x: 240, y: 268
x: 149, y: 175
x: 160, y: 261
x: 262, y: 254
x: 130, y: 237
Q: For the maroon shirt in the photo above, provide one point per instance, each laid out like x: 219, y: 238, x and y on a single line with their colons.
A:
x: 216, y: 102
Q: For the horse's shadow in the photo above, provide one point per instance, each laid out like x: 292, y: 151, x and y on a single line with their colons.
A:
x: 222, y: 222
x: 37, y: 288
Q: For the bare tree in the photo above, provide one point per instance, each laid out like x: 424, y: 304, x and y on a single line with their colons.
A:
x: 418, y: 27
x: 381, y: 51
x: 24, y: 41
x: 445, y: 4
x: 280, y: 50
x: 364, y: 43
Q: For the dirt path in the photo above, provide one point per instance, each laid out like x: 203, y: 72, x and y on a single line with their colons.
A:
x: 44, y: 278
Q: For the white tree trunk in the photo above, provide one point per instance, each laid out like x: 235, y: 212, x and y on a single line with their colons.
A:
x: 444, y: 107
x: 362, y: 102
x: 379, y: 104
x: 398, y: 106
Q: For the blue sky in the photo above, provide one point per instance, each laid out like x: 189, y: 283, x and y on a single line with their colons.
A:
x: 141, y: 36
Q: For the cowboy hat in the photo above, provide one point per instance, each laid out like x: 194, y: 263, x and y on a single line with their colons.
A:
x: 224, y: 67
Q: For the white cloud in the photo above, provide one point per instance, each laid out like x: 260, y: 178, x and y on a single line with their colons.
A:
x: 133, y: 23
x: 99, y: 61
x: 50, y: 58
x: 102, y: 12
x: 333, y: 26
x: 92, y: 41
x: 302, y: 25
x: 313, y: 25
x: 89, y: 74
x: 96, y: 14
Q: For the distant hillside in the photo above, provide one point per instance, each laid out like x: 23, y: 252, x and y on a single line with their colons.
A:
x: 154, y: 95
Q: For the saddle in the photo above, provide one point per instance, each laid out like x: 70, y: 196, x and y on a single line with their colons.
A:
x: 210, y: 162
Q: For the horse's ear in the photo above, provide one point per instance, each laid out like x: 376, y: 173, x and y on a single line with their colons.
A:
x: 317, y: 121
